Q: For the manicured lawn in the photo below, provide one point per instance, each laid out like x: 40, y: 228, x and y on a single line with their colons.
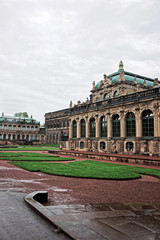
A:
x: 51, y: 145
x: 29, y: 156
x: 17, y: 154
x: 29, y: 148
x: 89, y: 169
x: 40, y: 158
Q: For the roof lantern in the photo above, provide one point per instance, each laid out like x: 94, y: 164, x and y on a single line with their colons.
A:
x: 121, y: 66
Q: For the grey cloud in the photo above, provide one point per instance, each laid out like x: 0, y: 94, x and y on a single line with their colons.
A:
x: 51, y: 51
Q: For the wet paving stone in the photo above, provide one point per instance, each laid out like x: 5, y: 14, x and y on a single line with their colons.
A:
x: 108, y: 221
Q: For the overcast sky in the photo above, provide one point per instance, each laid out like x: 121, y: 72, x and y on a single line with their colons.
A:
x: 52, y: 50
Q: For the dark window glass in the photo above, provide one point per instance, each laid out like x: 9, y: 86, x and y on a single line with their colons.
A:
x: 147, y: 124
x: 92, y: 127
x: 74, y: 129
x: 103, y: 127
x: 83, y: 128
x: 102, y: 145
x: 81, y: 145
x: 116, y: 126
x: 130, y: 125
x: 129, y: 146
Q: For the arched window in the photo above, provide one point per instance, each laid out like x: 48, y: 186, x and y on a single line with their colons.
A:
x: 42, y: 138
x: 106, y: 96
x: 0, y: 126
x: 27, y: 137
x: 83, y: 128
x: 36, y: 128
x: 28, y: 128
x: 115, y: 94
x: 19, y: 127
x: 147, y: 124
x: 10, y: 127
x: 5, y: 127
x: 23, y: 128
x: 14, y: 137
x: 31, y: 137
x: 74, y: 125
x: 0, y: 136
x: 23, y: 137
x: 81, y: 145
x: 35, y: 137
x: 103, y: 127
x: 14, y: 127
x: 4, y: 136
x: 9, y: 136
x: 32, y: 128
x: 92, y: 128
x: 116, y: 126
x: 130, y: 125
x: 102, y: 145
x: 18, y: 137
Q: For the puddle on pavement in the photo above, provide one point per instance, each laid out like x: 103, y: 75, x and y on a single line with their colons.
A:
x: 59, y: 189
x: 8, y: 168
x: 18, y: 181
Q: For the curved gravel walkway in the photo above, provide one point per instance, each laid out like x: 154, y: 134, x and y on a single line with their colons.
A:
x: 67, y: 190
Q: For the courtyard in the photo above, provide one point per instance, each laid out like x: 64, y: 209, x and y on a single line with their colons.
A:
x: 79, y: 199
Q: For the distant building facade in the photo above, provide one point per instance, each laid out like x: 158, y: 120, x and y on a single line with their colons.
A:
x: 121, y: 116
x: 20, y: 130
x: 57, y: 126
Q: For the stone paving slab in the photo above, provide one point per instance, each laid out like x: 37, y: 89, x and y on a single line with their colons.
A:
x: 108, y: 221
x: 19, y: 222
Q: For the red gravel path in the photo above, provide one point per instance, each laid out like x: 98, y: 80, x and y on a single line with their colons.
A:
x: 67, y: 190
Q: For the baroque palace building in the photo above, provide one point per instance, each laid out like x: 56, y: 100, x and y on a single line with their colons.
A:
x: 121, y: 116
x: 20, y: 130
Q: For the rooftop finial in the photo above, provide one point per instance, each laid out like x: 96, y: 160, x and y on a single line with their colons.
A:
x: 121, y: 66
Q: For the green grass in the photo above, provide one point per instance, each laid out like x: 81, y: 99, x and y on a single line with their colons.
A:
x: 29, y: 156
x: 89, y: 169
x: 51, y: 145
x: 29, y: 148
x: 42, y: 158
x: 17, y: 154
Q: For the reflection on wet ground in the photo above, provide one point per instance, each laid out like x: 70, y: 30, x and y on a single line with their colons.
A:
x: 114, y: 221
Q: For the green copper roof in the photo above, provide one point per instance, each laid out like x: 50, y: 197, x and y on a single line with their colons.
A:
x: 4, y: 118
x: 129, y: 77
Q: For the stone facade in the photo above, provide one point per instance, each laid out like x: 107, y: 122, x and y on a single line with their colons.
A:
x: 122, y: 116
x: 57, y: 126
x: 20, y: 130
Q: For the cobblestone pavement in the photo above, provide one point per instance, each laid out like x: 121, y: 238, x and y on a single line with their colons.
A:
x: 19, y: 222
x: 134, y: 221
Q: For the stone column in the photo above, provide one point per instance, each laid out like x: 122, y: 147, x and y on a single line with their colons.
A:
x: 109, y: 126
x: 70, y: 129
x: 78, y: 128
x: 122, y: 125
x: 159, y: 125
x: 156, y: 120
x: 138, y: 123
x: 97, y: 127
x: 87, y: 127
